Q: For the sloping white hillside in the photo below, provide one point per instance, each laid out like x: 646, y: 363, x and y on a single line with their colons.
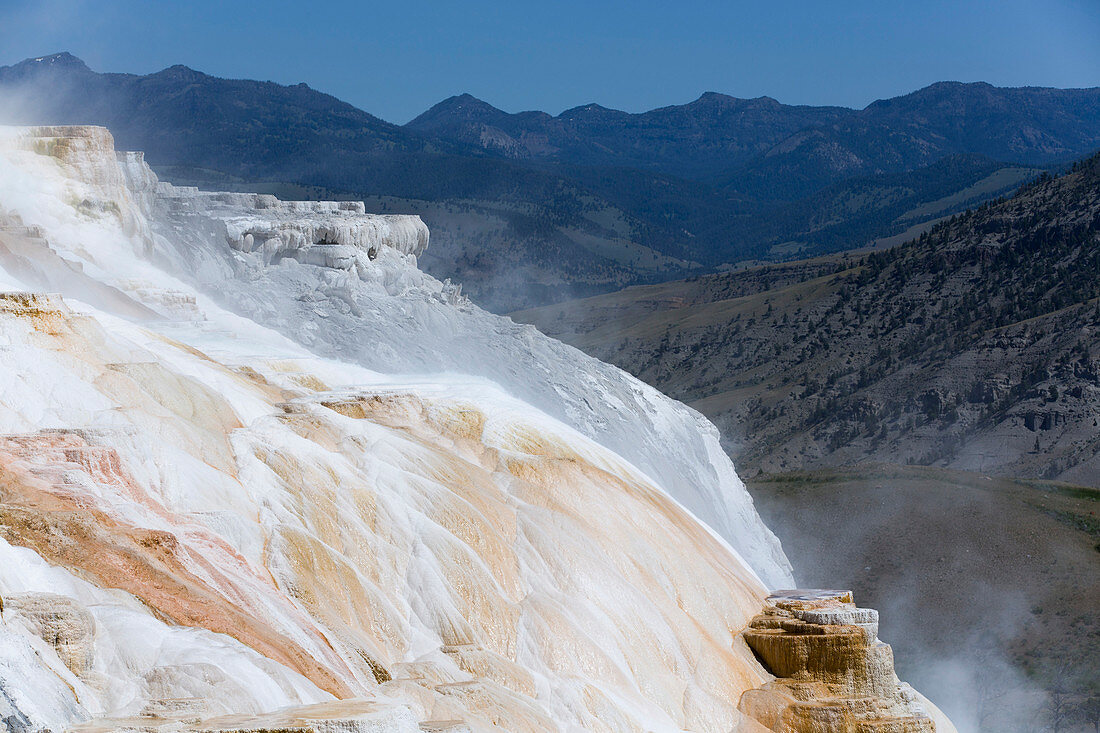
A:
x: 251, y: 458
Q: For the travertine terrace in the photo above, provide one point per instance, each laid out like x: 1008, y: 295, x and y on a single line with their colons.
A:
x: 259, y: 472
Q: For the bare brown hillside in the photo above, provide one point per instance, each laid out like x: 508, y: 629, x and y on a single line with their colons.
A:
x: 973, y: 347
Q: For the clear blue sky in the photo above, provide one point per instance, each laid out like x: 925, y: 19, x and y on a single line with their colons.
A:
x: 397, y: 58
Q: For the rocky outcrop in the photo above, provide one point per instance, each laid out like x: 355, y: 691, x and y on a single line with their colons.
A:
x: 336, y: 234
x: 833, y: 674
x: 59, y: 621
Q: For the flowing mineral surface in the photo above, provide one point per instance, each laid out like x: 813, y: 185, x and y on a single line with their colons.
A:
x: 259, y: 472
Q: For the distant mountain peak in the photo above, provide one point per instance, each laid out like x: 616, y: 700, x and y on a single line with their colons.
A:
x: 948, y: 84
x: 718, y: 99
x: 179, y: 71
x: 943, y: 90
x: 62, y: 60
x: 591, y: 111
x: 464, y: 98
x: 463, y: 106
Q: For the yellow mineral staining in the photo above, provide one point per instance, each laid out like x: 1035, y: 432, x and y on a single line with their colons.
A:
x: 149, y: 564
x: 459, y: 421
x: 489, y: 665
x: 251, y: 374
x: 484, y: 615
x: 59, y: 621
x: 32, y: 304
x: 490, y: 703
x: 527, y: 441
x: 72, y: 145
x: 347, y: 716
x: 46, y: 314
x: 461, y: 514
x: 588, y: 524
x: 293, y: 384
x: 359, y: 617
x: 309, y: 382
x: 356, y: 409
x: 63, y: 140
x: 834, y: 675
x: 386, y: 519
x: 312, y: 427
x: 187, y: 348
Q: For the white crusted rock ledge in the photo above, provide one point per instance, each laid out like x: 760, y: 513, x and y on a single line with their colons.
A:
x: 338, y: 234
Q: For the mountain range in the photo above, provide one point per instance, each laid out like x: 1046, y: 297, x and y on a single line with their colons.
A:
x: 530, y: 208
x: 747, y: 146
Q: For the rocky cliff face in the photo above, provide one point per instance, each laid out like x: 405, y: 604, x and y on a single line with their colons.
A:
x: 257, y: 471
x: 832, y: 672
